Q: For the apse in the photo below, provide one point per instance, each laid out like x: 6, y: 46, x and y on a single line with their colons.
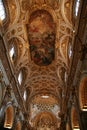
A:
x: 41, y: 35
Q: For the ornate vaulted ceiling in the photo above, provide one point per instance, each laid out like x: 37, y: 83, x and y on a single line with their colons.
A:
x: 41, y: 32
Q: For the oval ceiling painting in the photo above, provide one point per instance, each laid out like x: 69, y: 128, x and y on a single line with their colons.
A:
x: 41, y: 34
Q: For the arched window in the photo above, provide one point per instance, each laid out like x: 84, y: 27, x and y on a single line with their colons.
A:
x: 9, y: 117
x: 74, y: 119
x: 12, y: 52
x: 25, y: 95
x: 83, y: 94
x: 20, y: 77
x: 76, y: 10
x: 70, y: 50
x: 2, y: 11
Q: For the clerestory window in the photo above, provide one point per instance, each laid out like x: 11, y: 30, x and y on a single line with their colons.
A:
x: 20, y: 77
x: 2, y: 10
x: 25, y: 95
x: 77, y: 4
x: 12, y: 53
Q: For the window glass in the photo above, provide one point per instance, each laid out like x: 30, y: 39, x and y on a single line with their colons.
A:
x: 70, y: 51
x: 20, y: 77
x: 12, y: 53
x: 77, y: 7
x: 2, y: 11
x: 25, y: 95
x: 45, y: 96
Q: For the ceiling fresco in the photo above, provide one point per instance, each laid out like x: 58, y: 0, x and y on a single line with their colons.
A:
x: 41, y: 37
x: 44, y: 31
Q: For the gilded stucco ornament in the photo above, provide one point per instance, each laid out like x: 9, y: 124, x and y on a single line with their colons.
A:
x: 40, y: 79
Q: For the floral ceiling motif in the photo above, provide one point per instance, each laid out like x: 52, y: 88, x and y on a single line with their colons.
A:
x: 41, y: 37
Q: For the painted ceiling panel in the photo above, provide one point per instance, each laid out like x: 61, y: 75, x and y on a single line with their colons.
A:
x: 41, y: 37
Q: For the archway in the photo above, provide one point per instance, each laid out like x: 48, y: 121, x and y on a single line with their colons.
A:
x: 45, y: 121
x: 9, y: 117
x: 74, y: 119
